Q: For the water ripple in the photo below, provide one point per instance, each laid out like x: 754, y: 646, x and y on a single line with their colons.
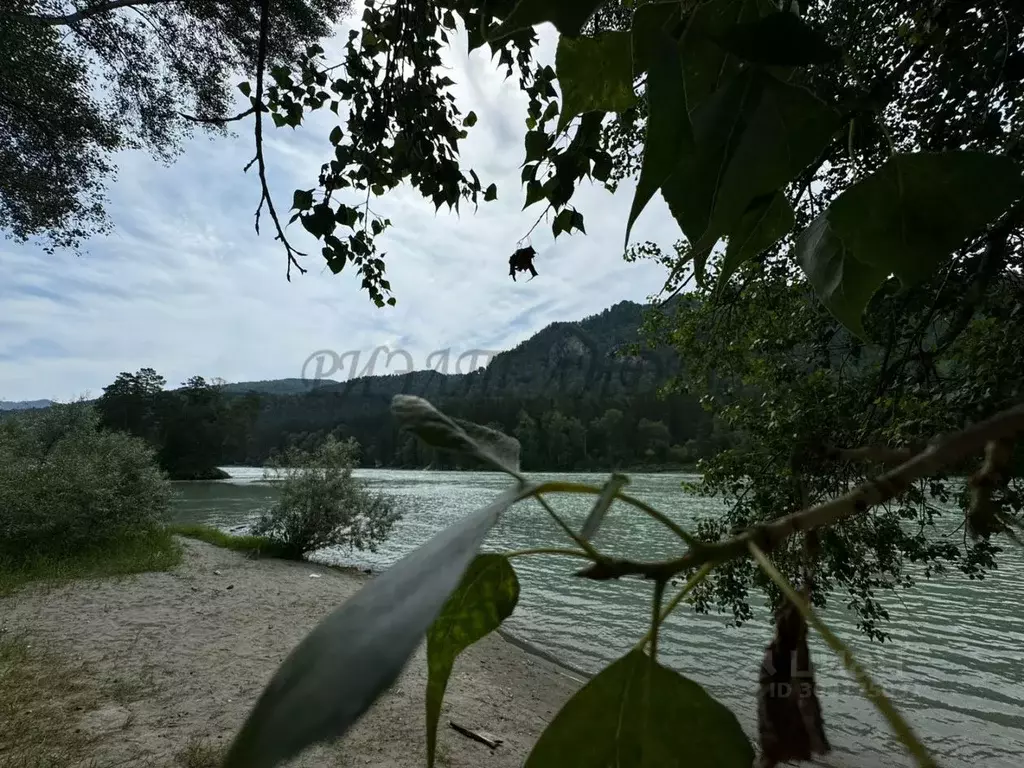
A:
x: 955, y: 664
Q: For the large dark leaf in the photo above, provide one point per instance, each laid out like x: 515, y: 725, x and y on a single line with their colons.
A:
x: 342, y: 666
x: 903, y: 220
x: 752, y: 137
x: 639, y: 714
x: 486, y: 597
x: 763, y: 224
x: 778, y: 39
x: 595, y: 74
x: 706, y: 65
x: 669, y: 134
x: 437, y: 430
x: 843, y: 283
x: 568, y: 16
x: 650, y: 21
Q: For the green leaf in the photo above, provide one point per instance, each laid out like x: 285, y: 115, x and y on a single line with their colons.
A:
x: 669, y: 133
x: 752, y: 137
x: 577, y: 222
x: 639, y: 714
x: 603, y: 165
x: 279, y: 119
x: 437, y: 430
x: 651, y: 21
x: 491, y: 193
x: 778, y: 39
x: 320, y: 222
x: 568, y: 16
x: 537, y: 144
x: 904, y: 219
x: 469, y: 120
x: 763, y: 224
x: 562, y: 222
x: 352, y: 656
x: 302, y: 199
x: 603, y: 504
x: 245, y: 88
x: 335, y: 136
x: 595, y: 74
x: 534, y: 193
x: 706, y: 65
x: 486, y: 596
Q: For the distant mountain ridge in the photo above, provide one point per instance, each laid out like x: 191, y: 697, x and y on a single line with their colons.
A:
x: 24, y: 405
x: 563, y: 358
x: 275, y: 386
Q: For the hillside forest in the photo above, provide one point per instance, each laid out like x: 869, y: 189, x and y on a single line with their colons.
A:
x: 578, y: 396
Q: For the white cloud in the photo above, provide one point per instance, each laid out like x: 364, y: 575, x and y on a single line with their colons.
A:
x: 186, y: 286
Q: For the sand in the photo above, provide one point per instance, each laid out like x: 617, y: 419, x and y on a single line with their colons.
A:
x: 160, y: 669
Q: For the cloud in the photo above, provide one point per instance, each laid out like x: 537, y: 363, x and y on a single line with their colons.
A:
x: 185, y: 285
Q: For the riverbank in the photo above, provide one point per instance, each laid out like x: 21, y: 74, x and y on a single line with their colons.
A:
x: 160, y: 669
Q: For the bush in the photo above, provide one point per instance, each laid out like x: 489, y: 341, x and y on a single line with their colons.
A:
x: 322, y: 504
x: 67, y: 487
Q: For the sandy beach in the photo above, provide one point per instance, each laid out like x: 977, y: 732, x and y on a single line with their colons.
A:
x: 160, y: 670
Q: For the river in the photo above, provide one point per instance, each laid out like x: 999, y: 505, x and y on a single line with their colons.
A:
x: 955, y: 665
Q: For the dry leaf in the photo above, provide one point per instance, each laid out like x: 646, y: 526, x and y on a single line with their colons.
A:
x: 789, y: 720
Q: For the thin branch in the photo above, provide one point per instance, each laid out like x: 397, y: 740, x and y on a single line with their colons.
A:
x: 690, y: 585
x: 940, y: 454
x: 880, y: 454
x: 219, y: 120
x: 265, y: 197
x: 83, y: 13
x: 548, y: 551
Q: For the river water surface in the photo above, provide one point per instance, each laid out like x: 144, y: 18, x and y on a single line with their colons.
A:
x: 955, y: 665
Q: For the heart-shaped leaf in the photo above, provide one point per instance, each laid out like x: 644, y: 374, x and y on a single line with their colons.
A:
x: 639, y: 714
x: 903, y: 220
x: 595, y: 74
x: 486, y: 596
x: 340, y: 668
x: 752, y: 137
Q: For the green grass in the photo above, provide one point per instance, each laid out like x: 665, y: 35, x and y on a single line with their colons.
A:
x: 155, y: 551
x: 258, y: 545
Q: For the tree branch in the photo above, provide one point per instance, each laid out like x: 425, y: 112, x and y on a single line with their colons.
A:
x: 261, y: 59
x: 941, y: 453
x: 83, y: 13
x: 881, y: 454
x: 218, y: 120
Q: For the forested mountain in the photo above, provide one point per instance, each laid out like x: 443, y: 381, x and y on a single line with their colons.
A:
x: 273, y: 386
x: 575, y: 394
x: 579, y: 395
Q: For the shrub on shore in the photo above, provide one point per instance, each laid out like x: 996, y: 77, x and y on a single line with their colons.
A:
x: 322, y: 504
x: 70, y: 490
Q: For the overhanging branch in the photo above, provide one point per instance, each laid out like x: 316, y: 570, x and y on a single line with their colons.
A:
x: 261, y: 60
x: 942, y: 453
x: 60, y: 20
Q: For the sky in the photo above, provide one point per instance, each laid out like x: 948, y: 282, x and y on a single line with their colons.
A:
x: 184, y: 284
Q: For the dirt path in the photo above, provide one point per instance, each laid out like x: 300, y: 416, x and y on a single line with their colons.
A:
x: 160, y: 670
